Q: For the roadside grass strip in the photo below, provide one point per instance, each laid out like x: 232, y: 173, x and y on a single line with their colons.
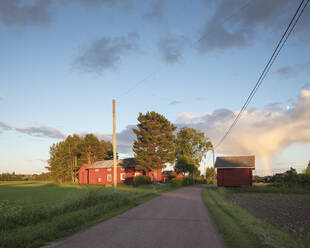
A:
x: 33, y: 226
x: 240, y: 229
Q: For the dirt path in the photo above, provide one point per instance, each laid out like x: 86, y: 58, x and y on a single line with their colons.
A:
x: 175, y: 219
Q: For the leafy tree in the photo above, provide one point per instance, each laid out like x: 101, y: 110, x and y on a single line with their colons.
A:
x: 191, y: 147
x: 154, y: 146
x: 91, y: 148
x: 67, y: 156
x: 74, y: 145
x: 210, y: 174
x: 307, y: 170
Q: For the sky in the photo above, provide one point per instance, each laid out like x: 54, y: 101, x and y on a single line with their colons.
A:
x: 63, y: 61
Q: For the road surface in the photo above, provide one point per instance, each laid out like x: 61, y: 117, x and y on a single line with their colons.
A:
x: 176, y: 219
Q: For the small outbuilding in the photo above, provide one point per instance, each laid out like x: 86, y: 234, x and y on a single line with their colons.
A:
x: 235, y: 171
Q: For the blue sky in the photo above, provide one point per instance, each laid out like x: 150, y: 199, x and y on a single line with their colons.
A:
x: 62, y: 62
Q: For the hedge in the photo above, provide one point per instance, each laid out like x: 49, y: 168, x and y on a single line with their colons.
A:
x: 141, y: 180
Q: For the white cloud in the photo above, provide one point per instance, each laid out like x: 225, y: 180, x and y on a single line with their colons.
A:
x: 259, y: 132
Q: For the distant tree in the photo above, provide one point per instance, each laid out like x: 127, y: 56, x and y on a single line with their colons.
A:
x: 291, y: 177
x: 191, y: 147
x: 154, y: 146
x: 210, y: 173
x: 307, y: 170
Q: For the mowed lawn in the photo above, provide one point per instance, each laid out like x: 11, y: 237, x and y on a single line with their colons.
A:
x: 33, y: 213
x: 241, y: 229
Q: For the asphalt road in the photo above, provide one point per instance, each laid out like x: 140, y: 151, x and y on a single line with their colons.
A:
x: 176, y: 219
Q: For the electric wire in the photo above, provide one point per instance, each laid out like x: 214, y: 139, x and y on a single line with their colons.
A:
x: 273, y: 57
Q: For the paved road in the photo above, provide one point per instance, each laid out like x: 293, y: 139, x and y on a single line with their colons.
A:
x: 176, y: 219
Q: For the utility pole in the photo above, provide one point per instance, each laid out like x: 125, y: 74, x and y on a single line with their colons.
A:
x: 212, y: 149
x: 114, y: 150
x: 213, y: 166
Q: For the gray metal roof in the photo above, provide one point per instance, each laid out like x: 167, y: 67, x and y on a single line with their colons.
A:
x: 235, y: 162
x: 127, y: 162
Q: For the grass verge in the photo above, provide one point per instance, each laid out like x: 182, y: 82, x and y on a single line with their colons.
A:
x: 240, y: 229
x: 34, y: 225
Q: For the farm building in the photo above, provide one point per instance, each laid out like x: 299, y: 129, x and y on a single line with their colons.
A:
x: 169, y: 175
x: 235, y: 171
x: 101, y: 172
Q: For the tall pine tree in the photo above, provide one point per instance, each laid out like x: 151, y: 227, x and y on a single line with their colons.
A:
x: 154, y: 146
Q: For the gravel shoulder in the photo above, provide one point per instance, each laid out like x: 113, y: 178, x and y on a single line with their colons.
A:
x: 289, y: 212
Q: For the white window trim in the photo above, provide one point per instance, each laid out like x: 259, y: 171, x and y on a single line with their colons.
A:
x: 123, y: 176
x: 109, y: 178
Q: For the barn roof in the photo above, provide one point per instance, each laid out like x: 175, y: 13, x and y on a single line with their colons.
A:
x: 127, y: 162
x: 235, y: 162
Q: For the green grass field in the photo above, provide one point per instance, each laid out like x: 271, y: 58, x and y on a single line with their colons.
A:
x: 239, y: 228
x: 33, y: 213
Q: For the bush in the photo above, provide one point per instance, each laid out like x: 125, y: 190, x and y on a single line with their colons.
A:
x: 141, y: 180
x: 177, y: 182
x: 186, y: 181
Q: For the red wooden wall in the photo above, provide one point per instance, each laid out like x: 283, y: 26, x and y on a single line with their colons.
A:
x: 101, y: 175
x: 231, y: 177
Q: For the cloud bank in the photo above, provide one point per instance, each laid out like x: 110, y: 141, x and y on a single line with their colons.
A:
x: 38, y: 12
x: 16, y: 12
x: 260, y: 132
x: 245, y: 21
x: 107, y: 52
x: 41, y: 131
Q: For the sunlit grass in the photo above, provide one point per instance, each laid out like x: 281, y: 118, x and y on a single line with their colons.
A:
x: 239, y: 228
x: 32, y: 213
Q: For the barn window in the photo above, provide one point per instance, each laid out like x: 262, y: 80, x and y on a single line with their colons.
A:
x: 109, y: 178
x: 123, y: 176
x: 109, y: 169
x: 99, y: 180
x: 96, y: 170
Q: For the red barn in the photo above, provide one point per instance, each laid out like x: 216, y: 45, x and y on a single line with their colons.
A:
x: 101, y: 172
x: 235, y: 171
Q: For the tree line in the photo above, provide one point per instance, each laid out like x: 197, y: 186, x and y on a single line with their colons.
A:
x: 157, y: 144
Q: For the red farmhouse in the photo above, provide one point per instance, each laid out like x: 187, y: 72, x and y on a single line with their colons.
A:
x: 235, y: 171
x: 101, y: 172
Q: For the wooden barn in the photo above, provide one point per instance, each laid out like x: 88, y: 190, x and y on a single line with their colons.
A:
x: 101, y: 172
x: 235, y: 171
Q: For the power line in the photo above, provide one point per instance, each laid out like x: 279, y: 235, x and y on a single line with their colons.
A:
x: 273, y: 57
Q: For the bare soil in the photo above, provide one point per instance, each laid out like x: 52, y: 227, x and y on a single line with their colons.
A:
x: 289, y: 212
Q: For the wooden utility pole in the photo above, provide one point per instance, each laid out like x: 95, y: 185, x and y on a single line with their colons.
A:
x: 114, y: 150
x: 213, y: 167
